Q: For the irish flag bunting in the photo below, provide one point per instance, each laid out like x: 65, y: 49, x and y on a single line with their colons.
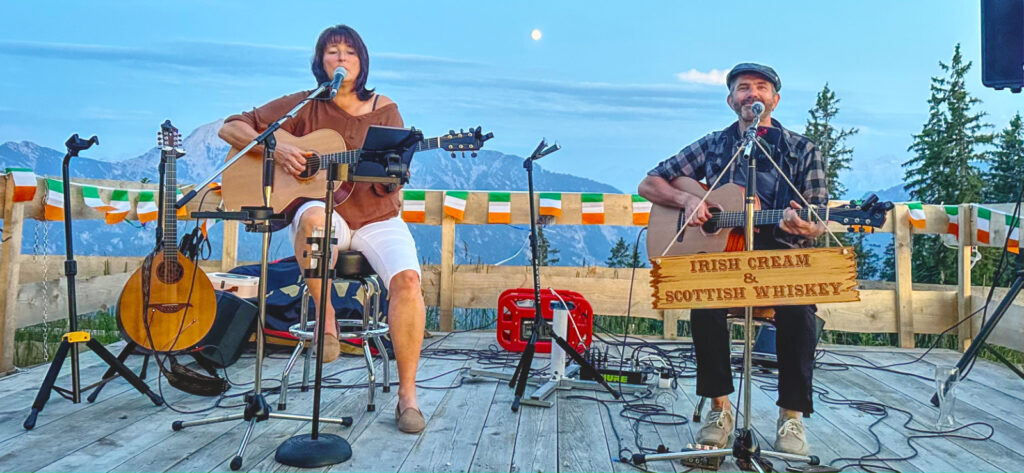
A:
x: 984, y: 223
x: 24, y: 183
x: 499, y: 207
x: 455, y: 204
x: 593, y: 208
x: 119, y: 201
x: 1012, y: 234
x: 414, y: 206
x: 551, y: 204
x: 916, y: 214
x: 91, y: 196
x: 641, y: 210
x: 54, y: 200
x: 182, y: 212
x: 953, y: 214
x: 146, y: 207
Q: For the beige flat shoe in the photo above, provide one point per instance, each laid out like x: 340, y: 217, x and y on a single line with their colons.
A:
x: 332, y: 348
x: 410, y: 420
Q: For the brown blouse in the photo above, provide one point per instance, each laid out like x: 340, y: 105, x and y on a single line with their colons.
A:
x: 361, y: 203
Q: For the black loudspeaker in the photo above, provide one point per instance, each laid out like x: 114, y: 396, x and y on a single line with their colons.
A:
x: 234, y: 325
x: 1002, y: 44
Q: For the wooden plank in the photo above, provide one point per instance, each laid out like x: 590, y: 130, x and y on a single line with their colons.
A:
x: 387, y: 449
x: 112, y: 450
x: 1007, y: 443
x: 229, y: 248
x: 498, y: 435
x: 670, y: 327
x: 447, y: 281
x: 579, y: 447
x: 10, y: 263
x: 454, y: 432
x: 35, y: 268
x: 210, y: 445
x: 906, y: 393
x: 763, y: 278
x: 537, y: 442
x: 903, y: 244
x: 963, y: 269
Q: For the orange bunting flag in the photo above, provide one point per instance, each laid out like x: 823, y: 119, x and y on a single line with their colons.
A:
x: 593, y: 208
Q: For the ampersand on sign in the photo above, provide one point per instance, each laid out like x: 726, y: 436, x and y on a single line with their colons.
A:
x: 749, y: 278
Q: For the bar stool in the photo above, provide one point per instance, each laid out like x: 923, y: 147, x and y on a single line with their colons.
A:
x: 352, y: 267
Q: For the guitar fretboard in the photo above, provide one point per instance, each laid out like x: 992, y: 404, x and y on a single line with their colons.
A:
x: 352, y: 156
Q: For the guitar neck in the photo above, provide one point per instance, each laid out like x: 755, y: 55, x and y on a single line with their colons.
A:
x: 761, y: 217
x: 170, y: 214
x: 352, y: 156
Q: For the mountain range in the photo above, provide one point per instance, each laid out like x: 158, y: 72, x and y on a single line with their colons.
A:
x: 488, y: 244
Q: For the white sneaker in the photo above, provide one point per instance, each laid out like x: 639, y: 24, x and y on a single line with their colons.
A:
x: 791, y: 437
x: 716, y: 429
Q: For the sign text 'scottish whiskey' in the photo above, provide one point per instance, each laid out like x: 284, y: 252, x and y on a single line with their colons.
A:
x: 755, y: 279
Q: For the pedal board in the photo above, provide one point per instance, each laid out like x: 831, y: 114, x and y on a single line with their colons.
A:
x: 704, y: 463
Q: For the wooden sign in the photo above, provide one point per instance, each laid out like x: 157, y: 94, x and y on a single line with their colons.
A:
x: 755, y: 279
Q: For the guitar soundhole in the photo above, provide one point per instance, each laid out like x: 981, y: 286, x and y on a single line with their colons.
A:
x: 312, y: 166
x: 169, y: 272
x: 710, y: 227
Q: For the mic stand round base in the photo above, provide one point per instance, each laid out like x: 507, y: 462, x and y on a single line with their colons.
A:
x: 304, y: 451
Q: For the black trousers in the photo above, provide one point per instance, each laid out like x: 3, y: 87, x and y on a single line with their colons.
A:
x: 795, y: 342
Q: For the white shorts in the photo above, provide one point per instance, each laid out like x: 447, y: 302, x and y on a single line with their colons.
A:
x: 388, y: 246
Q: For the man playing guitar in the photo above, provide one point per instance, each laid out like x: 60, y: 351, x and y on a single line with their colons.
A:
x: 366, y: 219
x: 803, y: 165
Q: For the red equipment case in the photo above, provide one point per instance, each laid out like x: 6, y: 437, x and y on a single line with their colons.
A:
x: 516, y: 315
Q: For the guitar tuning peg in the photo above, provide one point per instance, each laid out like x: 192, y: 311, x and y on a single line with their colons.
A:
x: 463, y: 154
x: 451, y: 132
x: 473, y: 154
x: 453, y: 154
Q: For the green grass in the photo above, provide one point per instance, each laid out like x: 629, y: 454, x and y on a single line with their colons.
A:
x: 29, y: 341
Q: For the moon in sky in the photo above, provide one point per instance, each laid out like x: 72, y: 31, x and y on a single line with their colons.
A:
x: 535, y: 34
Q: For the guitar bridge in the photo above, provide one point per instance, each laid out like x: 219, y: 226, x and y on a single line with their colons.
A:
x: 168, y: 308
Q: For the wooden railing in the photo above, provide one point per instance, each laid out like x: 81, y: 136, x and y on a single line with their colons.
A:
x: 901, y: 308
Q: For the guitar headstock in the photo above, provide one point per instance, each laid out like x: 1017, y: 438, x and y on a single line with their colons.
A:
x: 463, y: 141
x: 868, y: 213
x: 168, y: 139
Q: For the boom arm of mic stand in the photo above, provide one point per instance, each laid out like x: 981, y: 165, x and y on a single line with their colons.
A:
x: 252, y: 144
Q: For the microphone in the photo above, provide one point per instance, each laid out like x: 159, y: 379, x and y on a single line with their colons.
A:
x: 339, y: 75
x: 757, y: 108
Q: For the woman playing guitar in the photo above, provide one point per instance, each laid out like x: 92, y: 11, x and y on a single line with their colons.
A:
x: 367, y: 219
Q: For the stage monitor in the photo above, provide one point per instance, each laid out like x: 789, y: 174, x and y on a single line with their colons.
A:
x: 1002, y: 44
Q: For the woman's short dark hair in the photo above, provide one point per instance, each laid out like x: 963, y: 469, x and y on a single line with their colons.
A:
x: 342, y: 34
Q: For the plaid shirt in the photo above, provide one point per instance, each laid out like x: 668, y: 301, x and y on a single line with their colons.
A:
x: 796, y: 155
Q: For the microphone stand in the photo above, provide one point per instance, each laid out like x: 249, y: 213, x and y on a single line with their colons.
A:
x: 71, y: 340
x: 522, y: 372
x: 257, y: 219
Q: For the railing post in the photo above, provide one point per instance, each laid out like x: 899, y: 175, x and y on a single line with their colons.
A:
x: 446, y: 288
x: 903, y: 246
x: 10, y: 263
x: 963, y: 269
x: 229, y: 248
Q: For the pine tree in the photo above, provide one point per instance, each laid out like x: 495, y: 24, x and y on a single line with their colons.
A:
x: 950, y: 145
x: 1003, y: 180
x: 944, y: 168
x: 546, y: 255
x: 622, y: 256
x: 830, y: 140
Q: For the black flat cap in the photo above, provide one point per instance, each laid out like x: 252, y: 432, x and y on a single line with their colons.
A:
x: 752, y: 68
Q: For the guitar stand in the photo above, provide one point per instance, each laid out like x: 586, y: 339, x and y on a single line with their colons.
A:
x: 70, y: 341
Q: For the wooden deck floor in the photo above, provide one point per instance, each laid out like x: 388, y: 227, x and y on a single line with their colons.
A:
x: 471, y: 428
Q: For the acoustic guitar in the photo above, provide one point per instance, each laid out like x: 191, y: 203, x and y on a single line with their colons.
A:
x: 724, y: 230
x: 240, y: 182
x: 168, y: 305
